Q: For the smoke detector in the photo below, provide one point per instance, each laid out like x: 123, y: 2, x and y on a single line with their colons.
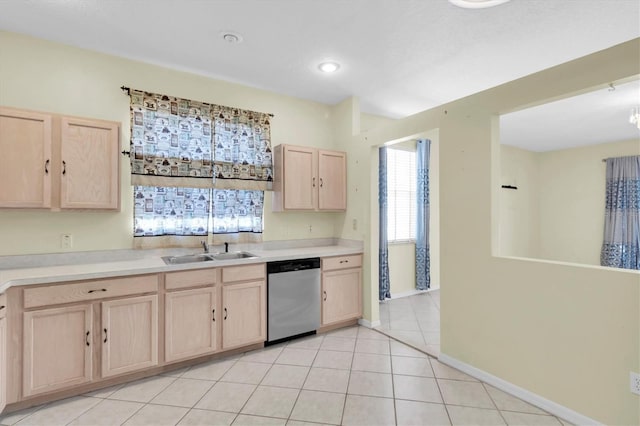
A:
x: 231, y: 37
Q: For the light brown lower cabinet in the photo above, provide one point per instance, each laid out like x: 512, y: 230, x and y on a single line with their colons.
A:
x: 59, y: 343
x: 192, y: 319
x: 341, y: 289
x: 57, y: 348
x: 244, y: 316
x: 111, y: 327
x: 129, y: 334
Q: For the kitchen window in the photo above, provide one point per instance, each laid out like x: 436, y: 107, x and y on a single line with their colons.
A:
x: 401, y: 195
x: 198, y: 168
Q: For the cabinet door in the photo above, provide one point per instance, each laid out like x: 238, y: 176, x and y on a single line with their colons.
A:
x: 300, y: 183
x: 25, y: 143
x: 191, y: 323
x: 57, y: 348
x: 332, y: 172
x: 3, y: 363
x: 244, y: 314
x: 341, y: 295
x: 129, y: 334
x: 90, y: 164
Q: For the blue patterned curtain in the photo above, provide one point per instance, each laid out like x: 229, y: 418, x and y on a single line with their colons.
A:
x: 383, y: 255
x: 621, y: 245
x: 423, y: 278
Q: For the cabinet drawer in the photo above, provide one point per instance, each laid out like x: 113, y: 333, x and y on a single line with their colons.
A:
x: 341, y: 262
x: 243, y: 273
x: 186, y: 279
x: 91, y: 290
x: 3, y: 305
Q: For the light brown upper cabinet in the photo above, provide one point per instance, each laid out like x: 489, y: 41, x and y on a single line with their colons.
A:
x: 25, y: 146
x: 58, y: 162
x: 309, y: 179
x: 90, y: 177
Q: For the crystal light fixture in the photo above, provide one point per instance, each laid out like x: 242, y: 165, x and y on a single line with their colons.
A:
x: 634, y: 117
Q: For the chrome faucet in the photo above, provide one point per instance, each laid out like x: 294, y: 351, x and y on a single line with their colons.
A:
x: 205, y: 246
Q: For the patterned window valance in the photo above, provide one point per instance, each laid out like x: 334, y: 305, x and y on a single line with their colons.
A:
x: 242, y: 156
x: 182, y: 143
x: 170, y: 141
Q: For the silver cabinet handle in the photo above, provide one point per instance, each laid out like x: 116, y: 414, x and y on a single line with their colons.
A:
x: 314, y: 182
x: 321, y: 183
x: 46, y: 167
x: 325, y: 296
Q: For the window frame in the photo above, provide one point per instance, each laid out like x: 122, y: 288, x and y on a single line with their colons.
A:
x: 412, y: 208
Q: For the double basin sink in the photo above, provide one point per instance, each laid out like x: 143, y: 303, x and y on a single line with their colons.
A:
x: 207, y: 257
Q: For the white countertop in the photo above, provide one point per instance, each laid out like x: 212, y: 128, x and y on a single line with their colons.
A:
x: 155, y: 264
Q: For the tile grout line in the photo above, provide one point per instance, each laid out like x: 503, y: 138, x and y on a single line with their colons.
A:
x: 393, y: 386
x: 484, y: 386
x: 211, y: 387
x: 346, y: 392
x: 145, y: 403
x: 305, y: 379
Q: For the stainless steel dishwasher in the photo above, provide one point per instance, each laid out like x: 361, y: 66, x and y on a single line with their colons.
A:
x: 293, y: 288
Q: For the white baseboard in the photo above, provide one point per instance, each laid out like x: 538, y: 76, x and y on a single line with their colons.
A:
x: 366, y: 323
x: 407, y: 294
x: 525, y: 395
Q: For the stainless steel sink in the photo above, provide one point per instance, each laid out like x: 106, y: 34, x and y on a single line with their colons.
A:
x: 233, y: 255
x: 187, y: 258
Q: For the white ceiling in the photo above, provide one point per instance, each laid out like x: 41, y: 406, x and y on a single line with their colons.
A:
x: 398, y: 57
x: 596, y: 117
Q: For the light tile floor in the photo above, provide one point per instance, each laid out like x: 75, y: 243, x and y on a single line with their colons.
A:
x: 414, y: 320
x: 352, y: 376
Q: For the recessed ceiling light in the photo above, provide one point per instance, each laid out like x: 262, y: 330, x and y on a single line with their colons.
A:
x: 477, y: 4
x: 329, y: 67
x: 231, y: 37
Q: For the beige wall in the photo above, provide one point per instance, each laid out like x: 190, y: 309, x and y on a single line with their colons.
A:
x: 369, y: 122
x: 539, y: 325
x: 572, y: 195
x: 519, y: 209
x: 44, y: 76
x: 557, y: 213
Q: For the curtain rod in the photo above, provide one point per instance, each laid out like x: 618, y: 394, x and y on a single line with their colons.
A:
x: 604, y: 160
x: 128, y: 91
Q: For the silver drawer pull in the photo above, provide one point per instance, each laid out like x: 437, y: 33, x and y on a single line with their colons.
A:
x: 344, y: 261
x: 102, y: 289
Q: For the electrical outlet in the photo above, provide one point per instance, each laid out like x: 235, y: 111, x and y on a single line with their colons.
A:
x: 66, y: 241
x: 310, y: 228
x: 634, y: 379
x: 355, y: 224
